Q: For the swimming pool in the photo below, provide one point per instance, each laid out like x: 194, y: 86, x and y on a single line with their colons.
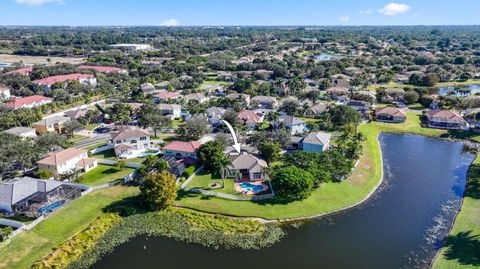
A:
x: 251, y: 187
x: 51, y: 207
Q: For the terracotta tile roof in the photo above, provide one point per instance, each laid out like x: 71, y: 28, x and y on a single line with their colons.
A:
x: 61, y: 78
x: 129, y: 134
x: 182, y: 146
x: 21, y: 71
x: 249, y: 116
x: 26, y: 101
x: 102, y: 69
x: 392, y: 111
x: 444, y: 115
x: 338, y: 90
x: 84, y: 162
x: 165, y: 95
x: 56, y: 158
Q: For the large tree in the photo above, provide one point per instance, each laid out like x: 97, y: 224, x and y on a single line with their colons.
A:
x: 158, y: 190
x: 270, y: 151
x: 194, y: 128
x: 292, y: 183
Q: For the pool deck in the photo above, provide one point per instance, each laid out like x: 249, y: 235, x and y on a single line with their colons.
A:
x: 241, y: 190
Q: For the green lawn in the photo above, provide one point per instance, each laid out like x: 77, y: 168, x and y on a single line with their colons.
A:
x: 462, y: 246
x: 203, y: 181
x: 213, y: 82
x: 374, y: 87
x: 94, y: 146
x: 135, y: 160
x: 176, y: 123
x: 104, y: 174
x: 32, y: 245
x: 90, y: 127
x: 77, y: 138
x: 329, y: 197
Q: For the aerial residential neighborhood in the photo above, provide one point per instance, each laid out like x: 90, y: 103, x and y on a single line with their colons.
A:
x: 259, y: 134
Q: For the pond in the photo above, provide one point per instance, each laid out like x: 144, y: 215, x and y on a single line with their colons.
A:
x: 459, y: 90
x: 400, y: 226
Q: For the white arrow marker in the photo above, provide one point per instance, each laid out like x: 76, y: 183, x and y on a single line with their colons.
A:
x: 237, y: 146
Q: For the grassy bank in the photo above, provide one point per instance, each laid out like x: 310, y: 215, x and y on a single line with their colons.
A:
x: 329, y: 197
x: 103, y: 174
x: 32, y: 245
x: 461, y: 248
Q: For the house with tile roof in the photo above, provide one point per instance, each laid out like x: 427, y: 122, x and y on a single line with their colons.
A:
x: 390, y: 114
x: 132, y: 143
x: 22, y: 71
x: 51, y: 124
x: 268, y: 102
x: 250, y: 118
x: 181, y: 149
x: 27, y: 102
x: 244, y: 98
x: 85, y: 79
x: 197, y: 97
x: 445, y: 119
x: 338, y: 93
x: 316, y: 142
x: 247, y: 167
x: 104, y: 69
x: 174, y: 111
x: 164, y: 96
x: 67, y: 161
x: 23, y: 132
x: 295, y: 125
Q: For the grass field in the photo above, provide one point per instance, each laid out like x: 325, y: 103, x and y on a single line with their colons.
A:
x: 373, y: 87
x: 106, y: 154
x: 9, y: 58
x: 104, y: 174
x: 32, y: 245
x: 90, y: 127
x: 94, y: 146
x: 207, y: 83
x: 203, y: 181
x: 462, y: 246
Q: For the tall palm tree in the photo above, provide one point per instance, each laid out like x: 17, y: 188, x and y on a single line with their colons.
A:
x: 223, y: 167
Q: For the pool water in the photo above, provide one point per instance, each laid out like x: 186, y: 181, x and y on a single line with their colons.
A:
x: 251, y: 187
x: 51, y: 207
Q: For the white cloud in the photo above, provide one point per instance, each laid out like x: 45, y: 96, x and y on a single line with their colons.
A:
x: 170, y: 22
x: 393, y: 9
x: 344, y: 19
x: 366, y: 12
x: 38, y: 2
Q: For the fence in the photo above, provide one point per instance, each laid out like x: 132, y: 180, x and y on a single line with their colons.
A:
x: 100, y: 149
x: 113, y: 162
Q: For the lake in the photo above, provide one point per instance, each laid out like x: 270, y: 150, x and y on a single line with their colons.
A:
x: 400, y: 226
x: 456, y: 90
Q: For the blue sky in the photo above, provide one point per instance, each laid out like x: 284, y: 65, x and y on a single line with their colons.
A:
x: 238, y: 12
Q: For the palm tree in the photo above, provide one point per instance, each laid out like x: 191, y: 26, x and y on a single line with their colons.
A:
x: 223, y: 167
x: 149, y: 161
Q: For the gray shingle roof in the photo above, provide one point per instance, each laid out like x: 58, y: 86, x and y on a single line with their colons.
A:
x: 319, y: 138
x: 249, y: 162
x: 13, y: 192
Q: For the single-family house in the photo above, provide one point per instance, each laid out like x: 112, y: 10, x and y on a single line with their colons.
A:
x: 338, y: 93
x: 361, y: 107
x: 4, y: 92
x: 164, y: 96
x: 172, y: 110
x: 67, y: 161
x: 316, y: 142
x: 23, y: 132
x: 28, y: 196
x: 76, y: 113
x: 181, y: 149
x: 390, y: 114
x: 318, y: 108
x: 214, y: 115
x: 268, y: 102
x: 162, y: 85
x: 196, y: 97
x: 247, y: 167
x: 104, y: 69
x: 85, y: 79
x: 51, y: 124
x: 472, y: 116
x: 175, y: 167
x: 244, y: 98
x: 27, y: 102
x: 131, y: 143
x: 250, y: 118
x: 147, y: 88
x: 22, y: 71
x: 393, y: 95
x: 445, y: 119
x: 295, y: 125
